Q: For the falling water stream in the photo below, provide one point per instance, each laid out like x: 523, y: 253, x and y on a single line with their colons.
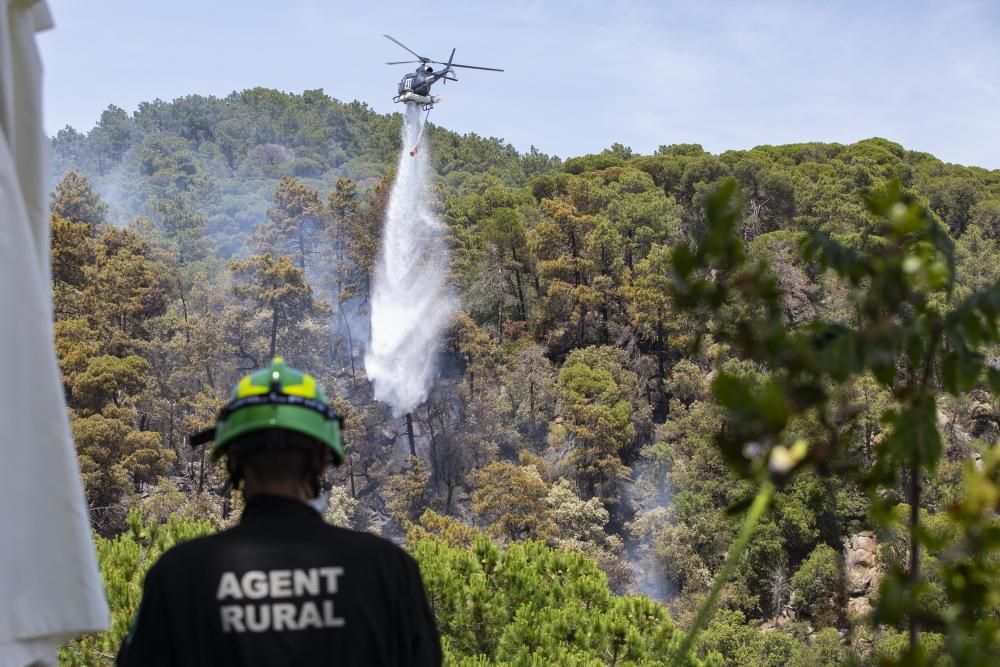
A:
x: 410, y: 302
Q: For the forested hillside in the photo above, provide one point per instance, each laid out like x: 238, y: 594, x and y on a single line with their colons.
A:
x: 587, y: 386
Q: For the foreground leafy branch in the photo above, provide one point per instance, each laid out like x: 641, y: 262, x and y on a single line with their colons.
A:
x: 909, y: 335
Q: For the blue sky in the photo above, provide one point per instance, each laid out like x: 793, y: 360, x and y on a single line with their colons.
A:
x: 579, y: 75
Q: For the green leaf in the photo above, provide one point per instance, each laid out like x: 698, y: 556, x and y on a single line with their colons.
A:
x: 683, y: 261
x: 960, y: 369
x: 772, y: 406
x: 993, y: 377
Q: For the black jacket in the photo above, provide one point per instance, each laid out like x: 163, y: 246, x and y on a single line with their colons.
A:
x: 283, y: 588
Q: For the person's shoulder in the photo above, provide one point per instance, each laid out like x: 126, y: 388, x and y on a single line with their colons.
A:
x: 186, y: 554
x: 368, y: 543
x: 362, y: 539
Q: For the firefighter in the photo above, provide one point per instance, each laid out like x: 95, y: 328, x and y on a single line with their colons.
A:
x: 283, y: 587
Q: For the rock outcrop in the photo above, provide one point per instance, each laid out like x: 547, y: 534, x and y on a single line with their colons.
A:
x: 861, y: 571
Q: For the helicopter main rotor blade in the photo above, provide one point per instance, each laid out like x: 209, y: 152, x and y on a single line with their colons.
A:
x: 448, y: 69
x: 489, y: 69
x: 404, y: 62
x: 393, y: 39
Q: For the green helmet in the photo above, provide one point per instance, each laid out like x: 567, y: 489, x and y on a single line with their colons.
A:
x: 277, y: 397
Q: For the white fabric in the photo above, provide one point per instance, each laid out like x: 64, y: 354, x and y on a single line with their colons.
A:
x: 50, y: 586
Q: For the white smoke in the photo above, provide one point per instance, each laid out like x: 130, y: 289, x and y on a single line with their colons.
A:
x: 410, y: 303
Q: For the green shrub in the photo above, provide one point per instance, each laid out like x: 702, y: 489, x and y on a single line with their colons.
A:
x: 816, y: 586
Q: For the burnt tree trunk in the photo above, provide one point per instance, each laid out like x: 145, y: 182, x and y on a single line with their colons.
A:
x: 409, y: 435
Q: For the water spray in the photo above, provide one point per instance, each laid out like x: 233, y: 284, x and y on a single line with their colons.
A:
x: 410, y: 303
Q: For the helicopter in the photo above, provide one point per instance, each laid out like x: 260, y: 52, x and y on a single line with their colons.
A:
x: 416, y: 86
